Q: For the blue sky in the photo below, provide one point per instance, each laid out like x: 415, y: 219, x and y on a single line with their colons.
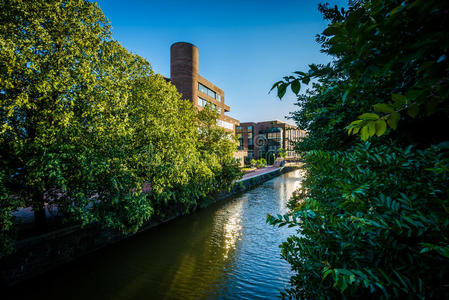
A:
x: 244, y: 46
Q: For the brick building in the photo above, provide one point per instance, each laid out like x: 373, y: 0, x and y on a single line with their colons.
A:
x: 184, y: 75
x: 261, y: 138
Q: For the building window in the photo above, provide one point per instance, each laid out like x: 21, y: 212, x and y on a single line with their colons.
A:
x: 274, y: 135
x: 202, y: 88
x: 250, y: 138
x: 209, y: 92
x: 274, y: 138
x: 203, y: 102
x: 225, y: 124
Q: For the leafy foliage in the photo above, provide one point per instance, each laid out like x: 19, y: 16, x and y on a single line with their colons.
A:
x: 374, y: 222
x: 88, y: 127
x: 282, y: 153
x: 372, y: 217
x: 259, y: 163
x: 391, y: 59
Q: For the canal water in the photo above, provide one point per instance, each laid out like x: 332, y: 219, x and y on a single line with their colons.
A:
x: 225, y: 251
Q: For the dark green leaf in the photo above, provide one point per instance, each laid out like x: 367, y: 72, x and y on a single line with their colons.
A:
x: 383, y: 107
x: 295, y: 86
x: 399, y: 99
x: 393, y: 120
x: 413, y: 110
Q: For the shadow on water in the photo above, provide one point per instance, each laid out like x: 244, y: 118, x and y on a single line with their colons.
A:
x: 226, y: 251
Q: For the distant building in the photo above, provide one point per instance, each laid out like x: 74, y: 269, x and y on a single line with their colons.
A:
x: 262, y: 138
x: 184, y: 75
x: 195, y: 88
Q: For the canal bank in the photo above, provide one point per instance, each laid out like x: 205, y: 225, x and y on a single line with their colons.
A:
x: 37, y: 255
x: 225, y: 251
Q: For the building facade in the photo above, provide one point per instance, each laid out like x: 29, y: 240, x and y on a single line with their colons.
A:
x: 263, y: 138
x: 184, y: 74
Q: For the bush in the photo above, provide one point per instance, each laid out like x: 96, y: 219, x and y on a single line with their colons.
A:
x: 282, y: 153
x: 372, y: 217
x: 375, y: 222
x: 260, y: 163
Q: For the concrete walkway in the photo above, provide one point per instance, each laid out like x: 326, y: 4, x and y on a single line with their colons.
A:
x: 259, y: 171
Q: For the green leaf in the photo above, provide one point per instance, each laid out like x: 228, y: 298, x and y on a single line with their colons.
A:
x: 345, y: 95
x: 300, y: 73
x: 332, y: 29
x: 364, y: 133
x: 275, y: 85
x: 306, y: 80
x: 413, y: 94
x: 295, y: 86
x: 282, y: 88
x: 355, y: 130
x: 381, y: 127
x: 326, y: 273
x: 413, y: 110
x: 371, y: 128
x: 355, y: 123
x: 393, y: 120
x: 345, y: 272
x: 369, y: 116
x: 397, y: 9
x: 399, y: 99
x: 383, y: 107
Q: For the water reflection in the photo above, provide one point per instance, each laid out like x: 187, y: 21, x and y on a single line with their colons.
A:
x: 232, y: 226
x: 286, y: 191
x: 226, y: 251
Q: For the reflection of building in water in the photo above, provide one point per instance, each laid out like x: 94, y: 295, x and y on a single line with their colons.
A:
x: 286, y: 191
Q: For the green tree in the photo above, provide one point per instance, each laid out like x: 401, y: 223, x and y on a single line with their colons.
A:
x: 88, y: 127
x: 64, y: 89
x: 282, y: 153
x: 372, y: 217
x: 261, y: 163
x: 217, y: 147
x: 253, y: 163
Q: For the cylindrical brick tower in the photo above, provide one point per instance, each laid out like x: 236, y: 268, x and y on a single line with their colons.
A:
x: 184, y: 69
